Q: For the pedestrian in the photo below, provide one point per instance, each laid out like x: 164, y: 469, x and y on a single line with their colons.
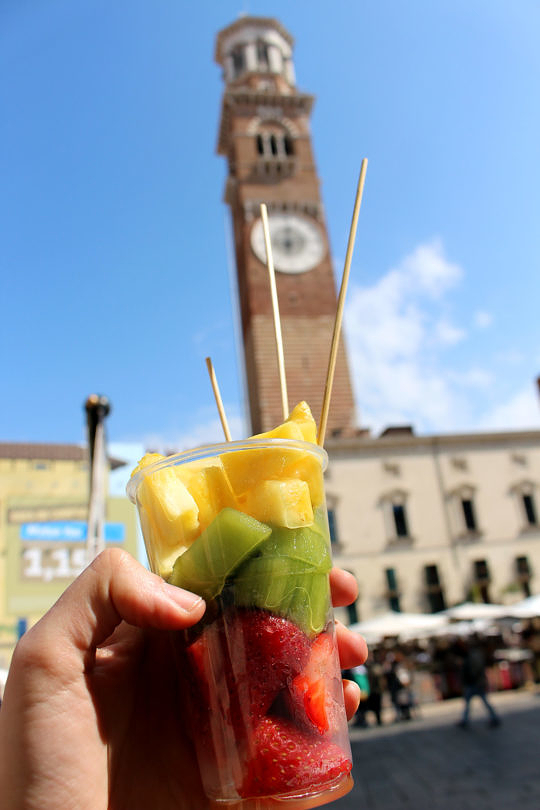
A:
x: 398, y: 681
x: 377, y: 684
x: 474, y: 680
x: 359, y: 675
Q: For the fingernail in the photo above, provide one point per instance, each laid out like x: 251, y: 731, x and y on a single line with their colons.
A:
x: 185, y: 599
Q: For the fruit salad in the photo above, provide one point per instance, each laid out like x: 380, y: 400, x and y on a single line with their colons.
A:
x: 244, y: 525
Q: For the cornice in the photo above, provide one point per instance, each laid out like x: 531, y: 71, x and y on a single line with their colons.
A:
x: 266, y: 98
x: 366, y: 444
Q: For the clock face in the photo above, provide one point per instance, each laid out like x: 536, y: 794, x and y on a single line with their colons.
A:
x: 297, y: 243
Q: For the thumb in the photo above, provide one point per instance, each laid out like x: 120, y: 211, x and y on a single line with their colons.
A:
x: 112, y: 589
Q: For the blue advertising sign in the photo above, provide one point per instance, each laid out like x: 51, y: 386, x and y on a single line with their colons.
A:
x: 70, y: 531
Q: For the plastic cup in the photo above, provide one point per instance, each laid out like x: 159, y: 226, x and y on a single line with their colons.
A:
x: 261, y: 673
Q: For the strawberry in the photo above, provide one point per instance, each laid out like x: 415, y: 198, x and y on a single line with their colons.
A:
x: 286, y: 759
x: 314, y: 700
x: 265, y: 652
x: 277, y: 649
x: 251, y: 655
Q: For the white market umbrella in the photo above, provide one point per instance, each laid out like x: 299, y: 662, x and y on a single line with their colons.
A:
x: 394, y: 624
x: 469, y: 611
x: 461, y: 629
x: 527, y: 609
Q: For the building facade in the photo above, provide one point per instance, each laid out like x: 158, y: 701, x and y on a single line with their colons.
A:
x: 426, y: 522
x: 44, y: 491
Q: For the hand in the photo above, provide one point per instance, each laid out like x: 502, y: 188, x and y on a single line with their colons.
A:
x: 91, y: 706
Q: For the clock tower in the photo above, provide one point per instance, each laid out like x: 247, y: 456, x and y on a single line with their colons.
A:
x: 264, y: 133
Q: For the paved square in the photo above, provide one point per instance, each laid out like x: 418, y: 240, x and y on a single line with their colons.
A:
x: 431, y: 764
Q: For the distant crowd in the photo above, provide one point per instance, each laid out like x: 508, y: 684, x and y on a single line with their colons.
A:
x: 398, y: 677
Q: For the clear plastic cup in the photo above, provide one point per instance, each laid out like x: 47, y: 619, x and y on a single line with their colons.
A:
x: 244, y: 524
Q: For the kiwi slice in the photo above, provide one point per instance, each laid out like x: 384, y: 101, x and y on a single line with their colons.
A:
x: 221, y: 548
x: 289, y: 577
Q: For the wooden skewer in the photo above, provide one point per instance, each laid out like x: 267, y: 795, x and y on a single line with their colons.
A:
x: 217, y: 395
x: 340, y: 306
x: 275, y: 309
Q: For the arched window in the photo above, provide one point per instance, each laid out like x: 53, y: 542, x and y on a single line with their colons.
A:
x: 288, y: 145
x: 274, y: 142
x: 263, y: 60
x: 238, y: 60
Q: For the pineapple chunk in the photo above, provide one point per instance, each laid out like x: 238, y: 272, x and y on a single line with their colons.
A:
x: 280, y: 503
x: 301, y: 416
x: 146, y: 460
x: 288, y: 430
x: 169, y: 502
x: 307, y: 467
x: 248, y: 468
x: 210, y: 488
x: 169, y: 514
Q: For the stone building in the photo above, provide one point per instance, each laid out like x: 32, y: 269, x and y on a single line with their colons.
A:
x: 426, y: 522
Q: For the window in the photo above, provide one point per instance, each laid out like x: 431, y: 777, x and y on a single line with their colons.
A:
x: 400, y: 519
x: 263, y: 61
x: 352, y: 611
x: 463, y: 513
x: 394, y: 509
x: 274, y: 143
x: 434, y: 589
x: 238, y: 60
x: 526, y: 501
x: 524, y: 574
x: 468, y: 514
x: 529, y: 508
x: 391, y: 579
x: 482, y: 579
x: 392, y: 590
x: 332, y: 526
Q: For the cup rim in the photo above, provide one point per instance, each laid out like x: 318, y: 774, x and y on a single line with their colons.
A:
x: 207, y: 451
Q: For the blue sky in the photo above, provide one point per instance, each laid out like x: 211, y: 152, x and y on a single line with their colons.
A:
x: 115, y: 252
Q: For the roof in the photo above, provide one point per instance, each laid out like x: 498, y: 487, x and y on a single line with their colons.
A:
x: 50, y: 452
x: 396, y: 440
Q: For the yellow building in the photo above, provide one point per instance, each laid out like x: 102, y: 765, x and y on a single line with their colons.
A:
x: 43, y: 511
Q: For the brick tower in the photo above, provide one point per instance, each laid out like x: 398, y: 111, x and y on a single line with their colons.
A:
x: 264, y: 134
